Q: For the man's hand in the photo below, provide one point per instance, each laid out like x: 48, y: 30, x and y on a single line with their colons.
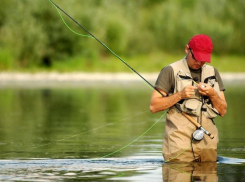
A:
x: 218, y: 101
x: 187, y: 92
x: 205, y: 89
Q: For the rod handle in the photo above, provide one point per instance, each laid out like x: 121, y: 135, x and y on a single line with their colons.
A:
x: 191, y: 119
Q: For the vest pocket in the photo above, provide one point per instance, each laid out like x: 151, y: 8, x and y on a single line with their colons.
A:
x: 212, y: 81
x: 192, y: 107
x: 211, y: 112
x: 182, y: 82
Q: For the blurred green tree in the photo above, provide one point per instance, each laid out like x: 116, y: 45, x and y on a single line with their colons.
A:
x: 33, y: 34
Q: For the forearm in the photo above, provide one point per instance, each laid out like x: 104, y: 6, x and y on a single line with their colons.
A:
x: 218, y: 103
x: 163, y: 103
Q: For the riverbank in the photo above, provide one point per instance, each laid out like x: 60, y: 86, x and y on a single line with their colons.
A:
x: 78, y: 79
x: 7, y: 78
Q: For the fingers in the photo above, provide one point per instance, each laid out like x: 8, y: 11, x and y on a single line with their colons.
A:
x: 204, y: 89
x: 203, y: 86
x: 188, y: 92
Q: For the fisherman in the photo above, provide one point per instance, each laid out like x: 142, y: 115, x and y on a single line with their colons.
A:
x: 195, y: 88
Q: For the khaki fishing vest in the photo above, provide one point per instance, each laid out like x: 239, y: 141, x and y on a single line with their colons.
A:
x: 198, y: 103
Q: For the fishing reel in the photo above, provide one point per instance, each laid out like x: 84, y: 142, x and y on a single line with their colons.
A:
x: 198, y: 134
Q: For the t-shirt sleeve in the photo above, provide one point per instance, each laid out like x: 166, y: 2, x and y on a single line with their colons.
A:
x: 219, y: 80
x: 165, y: 80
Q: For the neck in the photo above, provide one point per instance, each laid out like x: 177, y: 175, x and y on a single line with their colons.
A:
x: 196, y: 71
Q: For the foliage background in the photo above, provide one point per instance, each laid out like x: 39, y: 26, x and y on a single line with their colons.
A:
x: 32, y: 35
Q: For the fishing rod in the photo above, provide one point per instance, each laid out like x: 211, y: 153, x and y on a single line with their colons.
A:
x: 107, y: 48
x: 198, y: 134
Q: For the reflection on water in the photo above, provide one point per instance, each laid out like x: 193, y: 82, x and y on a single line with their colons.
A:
x: 194, y: 172
x: 54, y: 133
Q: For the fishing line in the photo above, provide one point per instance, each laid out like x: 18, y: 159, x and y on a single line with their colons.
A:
x: 181, y: 152
x: 136, y: 138
x: 94, y: 129
x: 91, y: 35
x: 148, y: 83
x: 81, y: 34
x: 84, y: 35
x: 68, y: 25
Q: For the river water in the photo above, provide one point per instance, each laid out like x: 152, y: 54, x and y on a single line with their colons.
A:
x: 104, y: 132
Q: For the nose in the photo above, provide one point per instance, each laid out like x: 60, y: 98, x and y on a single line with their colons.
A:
x: 200, y: 63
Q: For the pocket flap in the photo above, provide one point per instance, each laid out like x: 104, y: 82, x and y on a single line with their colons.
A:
x: 192, y: 104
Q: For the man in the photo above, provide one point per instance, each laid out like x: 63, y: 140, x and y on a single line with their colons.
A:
x: 193, y: 87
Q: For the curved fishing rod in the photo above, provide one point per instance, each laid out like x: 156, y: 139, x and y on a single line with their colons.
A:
x: 91, y: 35
x: 106, y: 48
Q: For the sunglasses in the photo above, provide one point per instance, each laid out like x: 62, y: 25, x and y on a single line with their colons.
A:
x: 193, y: 57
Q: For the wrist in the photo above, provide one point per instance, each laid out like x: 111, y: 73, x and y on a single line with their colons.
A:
x: 179, y: 96
x: 212, y: 93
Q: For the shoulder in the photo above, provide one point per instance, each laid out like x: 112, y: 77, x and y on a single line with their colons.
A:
x: 216, y: 71
x: 170, y: 68
x: 209, y: 70
x: 206, y: 66
x: 219, y: 80
x: 167, y: 72
x: 165, y: 80
x: 211, y: 67
x: 167, y: 69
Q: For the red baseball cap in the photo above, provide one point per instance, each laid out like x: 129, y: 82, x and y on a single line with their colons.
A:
x: 202, y: 47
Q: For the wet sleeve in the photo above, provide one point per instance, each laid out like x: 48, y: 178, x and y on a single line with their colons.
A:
x: 165, y: 80
x: 217, y: 75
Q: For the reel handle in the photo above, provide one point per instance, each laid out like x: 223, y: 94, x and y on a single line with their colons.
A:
x: 197, y: 124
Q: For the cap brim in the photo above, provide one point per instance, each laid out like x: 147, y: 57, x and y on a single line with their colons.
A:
x: 200, y: 56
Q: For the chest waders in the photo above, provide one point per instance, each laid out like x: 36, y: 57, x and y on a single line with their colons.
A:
x: 197, y: 104
x: 182, y: 119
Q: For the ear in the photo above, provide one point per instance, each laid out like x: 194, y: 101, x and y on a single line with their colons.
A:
x: 186, y: 49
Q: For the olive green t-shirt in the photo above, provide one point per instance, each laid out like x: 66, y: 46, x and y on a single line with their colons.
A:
x: 166, y: 79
